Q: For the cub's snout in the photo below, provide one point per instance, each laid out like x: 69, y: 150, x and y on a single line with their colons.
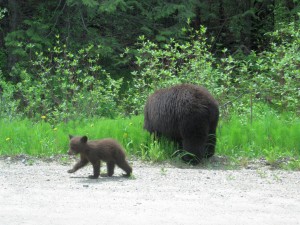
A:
x: 70, y: 152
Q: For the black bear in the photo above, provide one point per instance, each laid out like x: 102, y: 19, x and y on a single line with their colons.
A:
x: 107, y: 150
x: 187, y: 114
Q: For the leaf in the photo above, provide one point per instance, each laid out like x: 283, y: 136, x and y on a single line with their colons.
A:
x: 90, y: 3
x: 111, y: 6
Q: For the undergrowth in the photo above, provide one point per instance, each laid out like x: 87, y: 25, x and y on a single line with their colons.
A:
x: 270, y: 136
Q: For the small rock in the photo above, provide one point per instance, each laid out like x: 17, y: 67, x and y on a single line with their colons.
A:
x: 85, y: 185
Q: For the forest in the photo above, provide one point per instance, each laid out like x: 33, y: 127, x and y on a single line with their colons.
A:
x: 68, y: 60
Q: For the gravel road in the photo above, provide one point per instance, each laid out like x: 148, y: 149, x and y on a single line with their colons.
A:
x: 42, y: 192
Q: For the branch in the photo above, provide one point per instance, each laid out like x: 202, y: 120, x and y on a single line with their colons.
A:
x: 56, y: 19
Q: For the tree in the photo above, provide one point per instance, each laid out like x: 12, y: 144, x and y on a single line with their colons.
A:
x: 240, y: 26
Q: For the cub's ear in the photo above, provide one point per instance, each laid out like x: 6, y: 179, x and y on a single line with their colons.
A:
x: 84, y: 139
x: 70, y: 136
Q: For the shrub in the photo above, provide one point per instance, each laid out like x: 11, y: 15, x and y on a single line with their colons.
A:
x: 172, y: 63
x: 63, y: 85
x: 271, y: 76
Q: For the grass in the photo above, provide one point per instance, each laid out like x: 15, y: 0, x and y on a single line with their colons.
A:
x: 270, y: 136
x: 43, y: 139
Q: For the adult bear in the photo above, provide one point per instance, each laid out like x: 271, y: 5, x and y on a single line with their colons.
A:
x: 187, y: 114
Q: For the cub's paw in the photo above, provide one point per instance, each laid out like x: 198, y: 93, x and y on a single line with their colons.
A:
x: 71, y: 171
x: 92, y: 177
x: 126, y: 174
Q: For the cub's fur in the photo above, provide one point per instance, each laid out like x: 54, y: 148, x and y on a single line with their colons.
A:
x: 107, y: 150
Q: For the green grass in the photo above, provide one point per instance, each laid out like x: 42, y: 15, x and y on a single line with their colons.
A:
x: 270, y: 136
x: 43, y: 139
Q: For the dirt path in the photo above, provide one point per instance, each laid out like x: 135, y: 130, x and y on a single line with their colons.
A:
x: 44, y: 193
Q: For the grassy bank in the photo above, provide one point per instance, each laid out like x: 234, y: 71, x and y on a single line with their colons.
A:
x: 270, y: 136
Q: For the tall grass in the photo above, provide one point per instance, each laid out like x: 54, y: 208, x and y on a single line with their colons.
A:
x: 41, y: 138
x: 270, y: 136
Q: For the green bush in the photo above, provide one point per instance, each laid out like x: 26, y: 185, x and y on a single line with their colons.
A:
x: 8, y: 105
x: 271, y: 77
x: 283, y: 65
x: 63, y: 85
x: 162, y: 66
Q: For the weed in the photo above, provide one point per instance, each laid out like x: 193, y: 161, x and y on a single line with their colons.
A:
x: 230, y: 177
x: 243, y: 162
x: 261, y: 173
x: 277, y: 178
x: 132, y: 176
x: 64, y: 160
x: 293, y: 164
x: 188, y: 157
x: 163, y: 171
x: 30, y: 162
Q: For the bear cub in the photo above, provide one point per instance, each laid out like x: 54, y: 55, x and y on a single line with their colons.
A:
x: 95, y: 151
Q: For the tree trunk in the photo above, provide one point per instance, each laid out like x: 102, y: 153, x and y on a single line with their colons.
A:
x: 13, y: 18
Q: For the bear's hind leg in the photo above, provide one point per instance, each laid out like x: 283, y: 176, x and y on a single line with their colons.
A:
x: 196, y: 146
x: 194, y: 137
x: 110, y: 168
x: 210, y: 145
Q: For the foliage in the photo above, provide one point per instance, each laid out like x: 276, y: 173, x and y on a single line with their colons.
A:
x: 173, y: 63
x: 271, y: 76
x: 8, y: 105
x: 116, y: 24
x: 62, y: 85
x: 23, y: 43
x: 2, y: 12
x: 274, y: 74
x: 283, y: 64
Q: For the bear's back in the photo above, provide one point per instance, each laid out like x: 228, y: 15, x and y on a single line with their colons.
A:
x: 168, y: 108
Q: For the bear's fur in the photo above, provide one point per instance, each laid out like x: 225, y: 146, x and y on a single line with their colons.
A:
x: 187, y: 114
x: 107, y: 150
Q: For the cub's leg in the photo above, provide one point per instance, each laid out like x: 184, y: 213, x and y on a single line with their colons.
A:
x: 123, y: 164
x: 110, y: 168
x: 81, y: 163
x: 96, y: 169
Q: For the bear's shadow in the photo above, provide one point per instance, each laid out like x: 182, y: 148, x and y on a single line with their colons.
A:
x: 213, y: 163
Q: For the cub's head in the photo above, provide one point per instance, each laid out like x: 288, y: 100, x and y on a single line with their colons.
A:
x: 77, y: 144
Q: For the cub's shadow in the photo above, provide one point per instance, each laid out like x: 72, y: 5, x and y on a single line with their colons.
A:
x: 101, y: 179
